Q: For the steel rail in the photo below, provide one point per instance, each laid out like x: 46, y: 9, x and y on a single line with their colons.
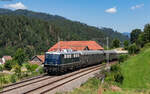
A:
x: 25, y: 80
x: 68, y: 81
x: 98, y: 66
x: 25, y: 84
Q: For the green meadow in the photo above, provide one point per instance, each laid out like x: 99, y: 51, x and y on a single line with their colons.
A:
x: 136, y: 71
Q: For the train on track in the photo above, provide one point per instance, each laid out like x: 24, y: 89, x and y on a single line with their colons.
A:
x: 67, y: 60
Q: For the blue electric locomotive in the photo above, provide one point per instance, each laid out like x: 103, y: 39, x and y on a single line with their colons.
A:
x: 60, y: 62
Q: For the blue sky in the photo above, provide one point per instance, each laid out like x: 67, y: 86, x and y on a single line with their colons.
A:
x: 121, y: 15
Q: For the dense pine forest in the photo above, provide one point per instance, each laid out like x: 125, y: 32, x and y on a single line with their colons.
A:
x: 37, y: 32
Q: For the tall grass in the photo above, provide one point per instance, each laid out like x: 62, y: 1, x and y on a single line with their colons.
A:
x: 136, y: 71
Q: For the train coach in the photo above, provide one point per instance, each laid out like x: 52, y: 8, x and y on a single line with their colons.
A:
x: 64, y: 61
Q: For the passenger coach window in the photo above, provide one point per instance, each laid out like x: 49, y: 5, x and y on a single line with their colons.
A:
x: 74, y: 55
x: 67, y: 56
x: 70, y: 56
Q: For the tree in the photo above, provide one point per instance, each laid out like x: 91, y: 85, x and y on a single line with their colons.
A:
x: 133, y: 49
x: 116, y: 43
x: 126, y: 44
x: 141, y: 40
x: 19, y: 56
x: 147, y: 32
x: 36, y: 35
x: 134, y: 35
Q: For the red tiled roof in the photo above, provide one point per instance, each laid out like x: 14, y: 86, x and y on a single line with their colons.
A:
x: 76, y: 45
x: 41, y: 57
x: 7, y: 57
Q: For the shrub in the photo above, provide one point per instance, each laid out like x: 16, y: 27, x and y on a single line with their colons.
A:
x: 13, y: 78
x: 115, y: 74
x: 28, y: 67
x: 34, y: 67
x: 17, y: 70
x: 4, y: 80
x: 118, y: 77
x: 115, y: 68
x: 40, y: 70
x: 133, y: 49
x: 122, y: 58
x: 109, y: 77
x: 8, y: 65
x: 1, y: 68
x: 31, y: 67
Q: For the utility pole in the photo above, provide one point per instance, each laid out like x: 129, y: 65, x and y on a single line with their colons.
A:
x: 108, y: 52
x: 58, y: 43
x: 107, y: 43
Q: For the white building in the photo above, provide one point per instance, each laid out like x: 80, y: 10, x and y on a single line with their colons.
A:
x: 5, y: 58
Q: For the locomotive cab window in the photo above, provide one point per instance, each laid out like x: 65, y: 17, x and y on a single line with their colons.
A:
x: 52, y: 56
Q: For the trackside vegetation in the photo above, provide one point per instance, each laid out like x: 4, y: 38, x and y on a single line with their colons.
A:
x: 19, y: 73
x: 131, y: 76
x: 17, y: 69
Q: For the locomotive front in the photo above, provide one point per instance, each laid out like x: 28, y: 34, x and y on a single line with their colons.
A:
x: 52, y: 61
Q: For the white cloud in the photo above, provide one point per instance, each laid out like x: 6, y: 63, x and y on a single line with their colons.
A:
x: 137, y: 6
x: 18, y: 5
x: 111, y: 10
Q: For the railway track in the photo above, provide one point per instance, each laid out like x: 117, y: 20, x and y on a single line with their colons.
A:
x: 45, y: 84
x: 24, y: 83
x: 68, y: 81
x: 55, y: 84
x: 25, y: 80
